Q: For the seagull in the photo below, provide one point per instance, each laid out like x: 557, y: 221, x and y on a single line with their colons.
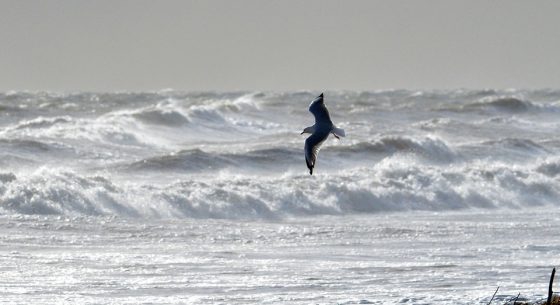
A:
x: 319, y: 131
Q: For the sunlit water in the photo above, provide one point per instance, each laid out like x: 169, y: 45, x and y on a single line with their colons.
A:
x: 410, y: 258
x: 434, y: 197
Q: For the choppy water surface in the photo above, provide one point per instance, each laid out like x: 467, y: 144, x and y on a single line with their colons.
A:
x: 409, y: 258
x: 151, y: 197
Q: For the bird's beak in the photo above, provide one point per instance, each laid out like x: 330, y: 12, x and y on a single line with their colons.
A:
x: 301, y: 132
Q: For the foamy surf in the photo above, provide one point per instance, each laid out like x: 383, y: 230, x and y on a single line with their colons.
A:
x: 237, y: 155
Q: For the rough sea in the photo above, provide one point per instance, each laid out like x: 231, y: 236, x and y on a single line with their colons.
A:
x: 167, y: 197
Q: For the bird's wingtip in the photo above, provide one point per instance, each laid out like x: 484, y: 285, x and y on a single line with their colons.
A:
x: 321, y: 95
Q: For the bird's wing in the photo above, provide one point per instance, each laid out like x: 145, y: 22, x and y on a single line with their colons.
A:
x: 312, y: 144
x: 317, y: 107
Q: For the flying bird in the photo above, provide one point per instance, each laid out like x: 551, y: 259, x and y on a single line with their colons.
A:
x: 319, y: 131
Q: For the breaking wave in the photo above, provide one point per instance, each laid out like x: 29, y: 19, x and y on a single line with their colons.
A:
x: 42, y: 122
x: 240, y: 155
x: 161, y: 117
x: 198, y: 160
x: 508, y: 104
x: 390, y: 185
x: 429, y: 148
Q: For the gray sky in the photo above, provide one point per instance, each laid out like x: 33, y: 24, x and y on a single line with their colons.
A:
x: 70, y: 45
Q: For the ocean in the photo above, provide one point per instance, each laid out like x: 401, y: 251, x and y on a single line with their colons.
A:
x: 169, y: 197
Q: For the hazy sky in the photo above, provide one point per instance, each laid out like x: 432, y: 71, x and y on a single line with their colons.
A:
x: 70, y: 45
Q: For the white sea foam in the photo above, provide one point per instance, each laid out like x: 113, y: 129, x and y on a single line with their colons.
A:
x: 397, y: 183
x: 239, y: 155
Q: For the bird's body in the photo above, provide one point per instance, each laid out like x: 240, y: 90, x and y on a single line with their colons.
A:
x: 319, y: 131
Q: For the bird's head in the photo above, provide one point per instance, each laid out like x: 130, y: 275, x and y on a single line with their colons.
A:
x: 309, y: 129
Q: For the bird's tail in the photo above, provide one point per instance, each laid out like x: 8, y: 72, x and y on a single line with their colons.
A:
x: 310, y: 165
x: 339, y: 132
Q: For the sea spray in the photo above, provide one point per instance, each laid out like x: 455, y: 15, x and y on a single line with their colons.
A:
x: 240, y: 155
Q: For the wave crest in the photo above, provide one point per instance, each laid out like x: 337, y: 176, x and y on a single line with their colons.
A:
x: 506, y: 104
x: 429, y: 148
x: 389, y: 185
x: 161, y: 117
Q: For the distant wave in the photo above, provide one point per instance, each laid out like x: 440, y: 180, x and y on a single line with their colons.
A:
x: 42, y: 122
x: 506, y: 104
x: 32, y: 146
x: 8, y: 109
x: 105, y: 130
x: 197, y: 160
x: 161, y: 117
x: 434, y: 149
x: 502, y: 104
x: 186, y: 160
x: 26, y: 145
x: 526, y: 145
